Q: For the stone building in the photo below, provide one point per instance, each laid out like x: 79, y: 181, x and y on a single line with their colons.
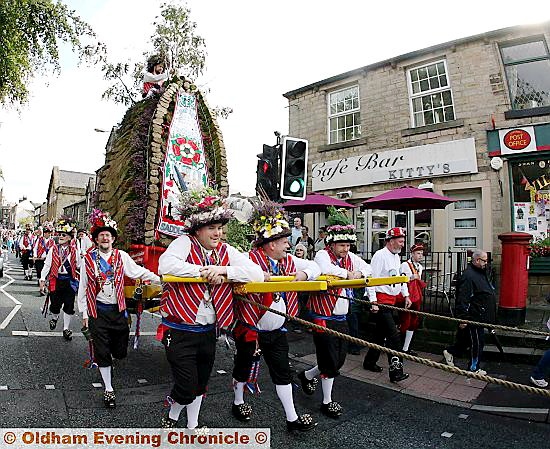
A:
x: 66, y: 188
x: 468, y: 118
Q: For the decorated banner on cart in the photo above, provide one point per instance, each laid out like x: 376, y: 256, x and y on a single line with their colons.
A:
x: 184, y: 164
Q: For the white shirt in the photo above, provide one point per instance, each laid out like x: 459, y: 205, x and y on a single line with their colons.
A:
x: 82, y: 246
x: 48, y: 264
x: 108, y: 295
x: 35, y: 247
x: 271, y: 321
x: 386, y: 264
x: 322, y: 258
x: 174, y: 261
x: 30, y: 240
x: 406, y: 269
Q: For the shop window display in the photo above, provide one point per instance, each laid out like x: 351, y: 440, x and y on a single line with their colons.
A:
x: 531, y: 197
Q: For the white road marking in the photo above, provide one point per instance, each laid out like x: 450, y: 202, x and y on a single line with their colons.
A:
x: 97, y: 385
x: 50, y: 387
x: 142, y: 381
x: 60, y: 334
x: 447, y: 434
x: 14, y: 311
x: 463, y: 416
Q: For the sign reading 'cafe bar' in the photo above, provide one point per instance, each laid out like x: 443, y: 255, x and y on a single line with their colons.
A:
x: 424, y: 161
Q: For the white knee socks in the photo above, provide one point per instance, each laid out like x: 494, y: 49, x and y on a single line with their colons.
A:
x: 175, y: 410
x: 408, y: 338
x: 66, y: 321
x: 327, y: 390
x: 193, y: 410
x: 106, y: 376
x: 285, y: 395
x: 239, y: 393
x: 313, y: 372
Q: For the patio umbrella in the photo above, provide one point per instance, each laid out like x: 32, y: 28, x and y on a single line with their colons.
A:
x: 315, y: 202
x: 407, y: 198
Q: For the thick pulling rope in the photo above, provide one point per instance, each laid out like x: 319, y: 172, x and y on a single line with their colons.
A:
x: 446, y: 318
x: 428, y: 362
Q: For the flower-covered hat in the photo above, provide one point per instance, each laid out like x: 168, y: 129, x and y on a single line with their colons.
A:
x: 47, y: 226
x: 102, y: 221
x: 65, y: 224
x: 202, y: 207
x: 269, y: 222
x: 339, y: 229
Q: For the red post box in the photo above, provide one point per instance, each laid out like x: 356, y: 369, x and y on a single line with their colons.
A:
x: 514, y: 277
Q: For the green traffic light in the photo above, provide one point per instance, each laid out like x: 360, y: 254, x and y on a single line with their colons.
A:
x: 296, y: 185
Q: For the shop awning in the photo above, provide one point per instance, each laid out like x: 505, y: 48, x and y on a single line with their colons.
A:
x: 315, y: 202
x: 407, y: 198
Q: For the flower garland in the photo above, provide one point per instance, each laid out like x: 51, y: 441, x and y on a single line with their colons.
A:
x: 202, y: 206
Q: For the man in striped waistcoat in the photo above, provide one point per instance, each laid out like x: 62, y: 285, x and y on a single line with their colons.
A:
x: 101, y: 297
x: 26, y: 243
x: 61, y: 271
x: 330, y: 309
x: 387, y: 263
x: 191, y: 312
x: 260, y: 332
x: 41, y: 247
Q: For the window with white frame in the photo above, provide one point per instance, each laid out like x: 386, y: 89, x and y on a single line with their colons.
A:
x: 344, y: 116
x: 431, y: 98
x: 527, y: 67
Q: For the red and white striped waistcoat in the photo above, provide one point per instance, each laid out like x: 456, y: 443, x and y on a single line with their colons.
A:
x: 56, y: 265
x: 180, y: 300
x: 323, y: 303
x: 42, y: 246
x: 251, y: 314
x: 94, y: 281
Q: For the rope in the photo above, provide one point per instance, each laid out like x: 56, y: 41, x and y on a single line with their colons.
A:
x: 428, y: 362
x: 446, y: 318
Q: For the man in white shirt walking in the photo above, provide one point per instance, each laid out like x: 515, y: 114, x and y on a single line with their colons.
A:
x: 387, y: 263
x: 330, y: 309
x: 192, y: 312
x: 101, y: 297
x: 61, y: 270
x: 262, y: 332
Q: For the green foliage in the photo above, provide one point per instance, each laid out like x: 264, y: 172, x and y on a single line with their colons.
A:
x: 30, y: 34
x: 239, y: 235
x: 177, y: 44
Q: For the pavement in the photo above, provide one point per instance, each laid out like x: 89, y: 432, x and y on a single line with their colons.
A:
x: 448, y: 388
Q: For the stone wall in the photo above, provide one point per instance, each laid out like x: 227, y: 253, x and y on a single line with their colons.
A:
x: 539, y: 289
x: 476, y: 77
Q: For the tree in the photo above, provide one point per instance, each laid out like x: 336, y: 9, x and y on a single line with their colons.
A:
x: 30, y: 34
x: 175, y: 39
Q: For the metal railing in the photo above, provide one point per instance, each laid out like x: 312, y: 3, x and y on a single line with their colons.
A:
x: 441, y: 271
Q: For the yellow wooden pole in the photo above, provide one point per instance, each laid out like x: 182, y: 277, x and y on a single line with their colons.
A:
x: 284, y: 286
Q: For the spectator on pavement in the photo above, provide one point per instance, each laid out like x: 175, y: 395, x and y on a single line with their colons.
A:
x: 319, y: 243
x: 296, y: 232
x: 307, y: 241
x: 475, y: 301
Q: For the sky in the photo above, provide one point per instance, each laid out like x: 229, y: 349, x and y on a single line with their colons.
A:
x: 257, y: 50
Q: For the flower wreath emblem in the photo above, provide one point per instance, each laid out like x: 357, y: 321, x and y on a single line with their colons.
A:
x: 186, y: 151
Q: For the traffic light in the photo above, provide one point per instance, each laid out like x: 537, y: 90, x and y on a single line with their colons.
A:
x: 268, y: 172
x: 293, y: 168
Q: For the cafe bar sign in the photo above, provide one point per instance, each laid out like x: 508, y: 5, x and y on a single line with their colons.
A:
x: 423, y: 161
